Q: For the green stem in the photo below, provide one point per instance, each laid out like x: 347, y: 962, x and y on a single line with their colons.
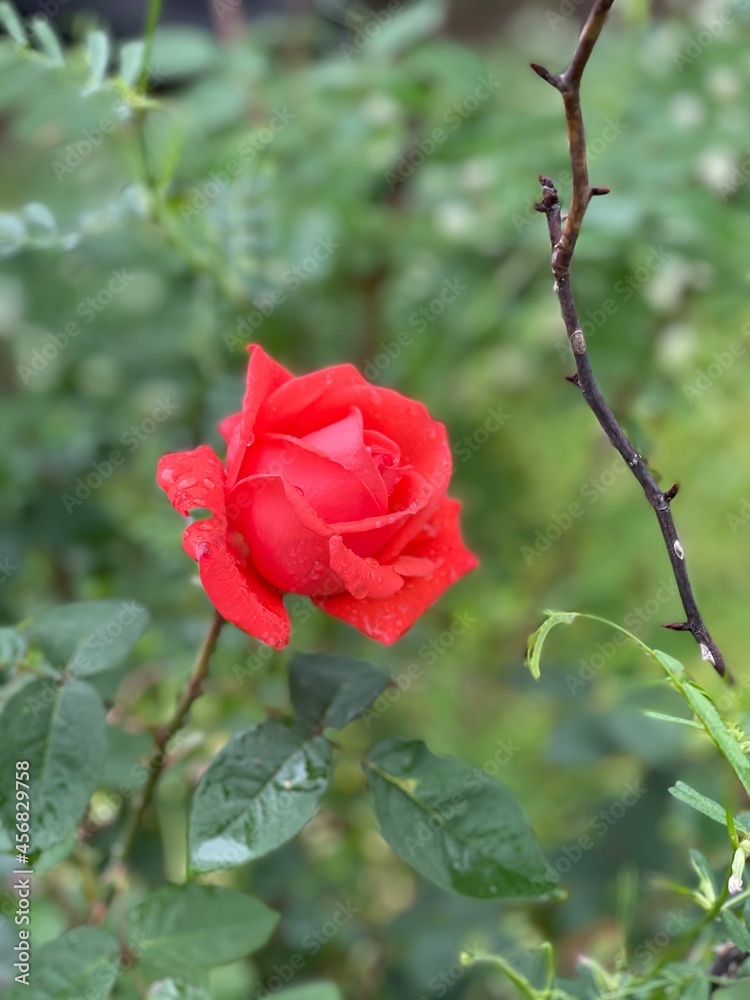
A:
x: 152, y: 19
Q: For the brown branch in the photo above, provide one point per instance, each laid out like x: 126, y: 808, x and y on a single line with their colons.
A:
x: 563, y: 239
x: 165, y: 734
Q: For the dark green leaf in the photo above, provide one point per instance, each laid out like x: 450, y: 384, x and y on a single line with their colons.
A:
x: 60, y: 729
x: 89, y: 636
x: 198, y: 927
x: 259, y: 791
x: 736, y: 930
x: 684, y: 793
x: 83, y: 962
x: 12, y: 648
x: 456, y: 825
x: 333, y: 690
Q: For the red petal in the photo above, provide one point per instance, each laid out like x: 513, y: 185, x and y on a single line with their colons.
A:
x: 264, y: 376
x: 306, y: 404
x: 195, y: 479
x: 387, y: 619
x: 288, y: 542
x: 344, y: 442
x: 362, y: 577
x: 333, y: 492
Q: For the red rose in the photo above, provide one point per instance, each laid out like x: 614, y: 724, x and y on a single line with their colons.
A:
x: 331, y: 488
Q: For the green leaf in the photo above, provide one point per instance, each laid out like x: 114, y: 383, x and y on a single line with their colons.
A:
x: 537, y: 639
x: 413, y: 23
x: 676, y: 719
x: 705, y: 711
x: 736, y: 930
x: 97, y: 54
x: 12, y: 648
x: 259, y: 791
x: 12, y: 23
x: 333, y: 690
x: 83, y: 962
x: 48, y: 41
x: 131, y: 61
x: 707, y: 885
x: 176, y: 989
x: 89, y: 636
x: 60, y: 729
x: 198, y: 926
x: 684, y: 793
x: 311, y: 991
x: 457, y: 826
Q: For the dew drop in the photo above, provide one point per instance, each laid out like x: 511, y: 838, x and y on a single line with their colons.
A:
x: 187, y: 483
x: 209, y: 484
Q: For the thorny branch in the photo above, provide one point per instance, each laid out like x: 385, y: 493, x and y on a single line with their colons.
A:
x: 563, y: 236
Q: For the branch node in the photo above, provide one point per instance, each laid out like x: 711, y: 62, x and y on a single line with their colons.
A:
x: 672, y: 493
x: 578, y: 342
x: 551, y: 79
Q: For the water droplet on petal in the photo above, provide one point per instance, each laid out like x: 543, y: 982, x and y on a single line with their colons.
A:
x: 209, y: 484
x: 187, y: 483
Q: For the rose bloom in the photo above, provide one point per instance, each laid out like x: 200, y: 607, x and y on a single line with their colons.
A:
x: 331, y: 488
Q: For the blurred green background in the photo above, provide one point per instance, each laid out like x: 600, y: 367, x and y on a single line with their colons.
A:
x: 411, y: 159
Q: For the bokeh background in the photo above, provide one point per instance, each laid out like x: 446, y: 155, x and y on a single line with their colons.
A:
x: 166, y: 270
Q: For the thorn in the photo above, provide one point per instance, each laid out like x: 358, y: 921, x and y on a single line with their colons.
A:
x: 600, y: 191
x: 546, y: 75
x: 678, y: 626
x: 573, y: 379
x: 672, y: 493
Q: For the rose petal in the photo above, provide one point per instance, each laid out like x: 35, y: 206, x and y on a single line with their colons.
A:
x: 195, y: 479
x: 369, y: 536
x: 287, y: 540
x: 388, y: 618
x: 362, y: 577
x: 264, y: 376
x: 343, y: 441
x: 333, y: 492
x: 414, y: 566
x: 306, y: 404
